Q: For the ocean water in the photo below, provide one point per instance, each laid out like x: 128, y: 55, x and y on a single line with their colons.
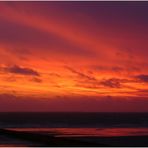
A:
x: 87, y: 132
x: 73, y: 120
x: 88, y: 126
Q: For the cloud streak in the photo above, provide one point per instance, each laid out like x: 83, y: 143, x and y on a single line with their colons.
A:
x: 92, y: 82
x: 113, y: 83
x: 142, y: 78
x: 21, y: 70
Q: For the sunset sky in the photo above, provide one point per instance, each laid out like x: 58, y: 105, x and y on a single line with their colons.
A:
x: 74, y: 56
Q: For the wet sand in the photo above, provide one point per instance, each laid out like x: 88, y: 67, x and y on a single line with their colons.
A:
x: 46, y: 140
x: 121, y: 141
x: 19, y: 138
x: 8, y: 141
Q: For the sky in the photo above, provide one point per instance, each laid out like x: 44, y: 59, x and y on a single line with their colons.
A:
x: 74, y: 56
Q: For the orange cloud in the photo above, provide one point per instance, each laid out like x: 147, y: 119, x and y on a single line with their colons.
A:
x: 73, y: 49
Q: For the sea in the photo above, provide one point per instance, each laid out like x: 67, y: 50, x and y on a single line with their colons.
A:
x: 77, y: 124
x: 72, y: 120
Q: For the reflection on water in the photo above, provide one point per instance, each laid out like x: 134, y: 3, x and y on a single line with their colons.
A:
x: 88, y: 132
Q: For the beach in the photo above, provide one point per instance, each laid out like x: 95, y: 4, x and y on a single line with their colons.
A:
x: 18, y: 138
x: 28, y: 139
x: 10, y: 141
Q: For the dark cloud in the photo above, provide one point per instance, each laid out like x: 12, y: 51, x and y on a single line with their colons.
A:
x: 91, y: 82
x: 80, y: 74
x: 37, y: 80
x: 21, y: 70
x: 54, y: 75
x: 142, y: 78
x: 84, y: 80
x: 113, y: 83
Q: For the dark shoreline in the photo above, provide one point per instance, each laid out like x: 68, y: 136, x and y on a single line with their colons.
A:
x: 53, y: 141
x: 47, y: 140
